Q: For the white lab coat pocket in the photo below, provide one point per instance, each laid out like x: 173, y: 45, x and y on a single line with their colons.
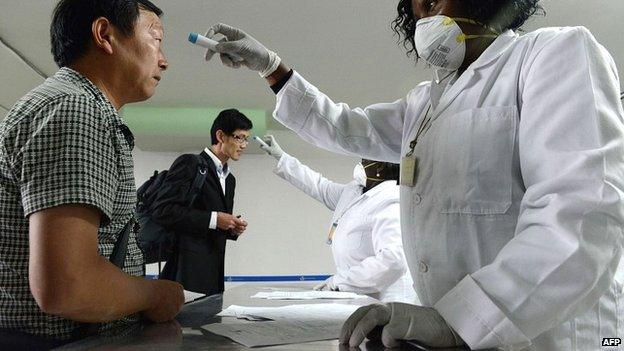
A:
x: 351, y: 233
x: 472, y: 169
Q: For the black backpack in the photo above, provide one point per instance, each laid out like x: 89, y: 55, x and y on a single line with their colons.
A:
x: 156, y: 241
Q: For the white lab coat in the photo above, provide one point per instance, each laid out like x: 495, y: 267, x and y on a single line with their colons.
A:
x: 513, y: 231
x: 366, y: 246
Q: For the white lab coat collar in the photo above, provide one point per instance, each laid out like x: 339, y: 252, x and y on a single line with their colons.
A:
x: 442, y: 76
x: 221, y: 168
x: 358, y: 189
x: 381, y: 187
x: 497, y: 48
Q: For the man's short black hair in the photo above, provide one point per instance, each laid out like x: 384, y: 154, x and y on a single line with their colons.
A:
x: 228, y: 121
x: 70, y: 32
x: 498, y: 14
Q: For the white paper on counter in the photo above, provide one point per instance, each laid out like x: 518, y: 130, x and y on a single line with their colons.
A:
x: 277, y: 333
x: 190, y: 296
x: 321, y: 311
x: 306, y: 295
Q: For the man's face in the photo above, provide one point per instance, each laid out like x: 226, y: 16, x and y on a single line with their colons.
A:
x: 235, y: 144
x: 141, y: 57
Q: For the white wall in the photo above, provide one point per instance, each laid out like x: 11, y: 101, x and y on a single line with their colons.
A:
x: 17, y: 78
x: 287, y: 229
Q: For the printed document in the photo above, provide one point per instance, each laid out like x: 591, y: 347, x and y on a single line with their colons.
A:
x: 277, y: 333
x: 283, y: 325
x: 321, y: 311
x: 306, y: 295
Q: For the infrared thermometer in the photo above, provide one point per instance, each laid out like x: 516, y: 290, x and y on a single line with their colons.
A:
x: 209, y: 44
x: 260, y: 141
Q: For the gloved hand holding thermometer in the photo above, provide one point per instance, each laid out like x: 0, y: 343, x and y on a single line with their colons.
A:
x: 239, y: 44
x: 209, y: 44
x: 270, y: 146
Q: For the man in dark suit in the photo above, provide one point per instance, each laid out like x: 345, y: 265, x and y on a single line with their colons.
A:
x: 202, y: 228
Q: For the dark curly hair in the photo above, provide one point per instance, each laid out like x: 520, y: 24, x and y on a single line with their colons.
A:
x: 498, y: 14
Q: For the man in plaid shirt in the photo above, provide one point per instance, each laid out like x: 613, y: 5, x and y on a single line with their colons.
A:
x: 66, y: 179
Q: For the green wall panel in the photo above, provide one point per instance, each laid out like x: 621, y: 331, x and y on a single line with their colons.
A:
x: 190, y: 121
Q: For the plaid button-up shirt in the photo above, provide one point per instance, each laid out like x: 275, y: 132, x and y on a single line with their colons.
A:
x: 62, y: 143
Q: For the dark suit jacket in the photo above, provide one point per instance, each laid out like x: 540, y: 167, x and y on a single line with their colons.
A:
x: 198, y: 263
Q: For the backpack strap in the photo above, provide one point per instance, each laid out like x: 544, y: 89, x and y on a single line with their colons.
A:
x: 118, y: 256
x: 198, y: 182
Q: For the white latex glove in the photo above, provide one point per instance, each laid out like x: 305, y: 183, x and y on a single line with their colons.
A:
x: 272, y: 147
x: 400, y: 321
x: 238, y: 43
x: 327, y: 285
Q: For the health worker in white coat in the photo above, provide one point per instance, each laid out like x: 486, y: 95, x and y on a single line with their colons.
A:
x: 365, y: 231
x: 512, y: 176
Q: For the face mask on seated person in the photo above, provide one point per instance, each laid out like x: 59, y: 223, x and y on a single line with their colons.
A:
x: 441, y: 42
x: 359, y: 174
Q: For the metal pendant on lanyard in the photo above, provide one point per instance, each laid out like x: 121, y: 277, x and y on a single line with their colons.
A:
x: 330, y: 236
x: 409, y: 163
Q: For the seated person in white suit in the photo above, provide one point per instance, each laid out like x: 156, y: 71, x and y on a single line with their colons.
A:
x: 365, y: 232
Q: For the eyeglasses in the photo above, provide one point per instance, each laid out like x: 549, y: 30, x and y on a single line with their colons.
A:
x: 241, y: 140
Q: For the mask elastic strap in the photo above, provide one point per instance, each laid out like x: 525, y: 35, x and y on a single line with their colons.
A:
x: 376, y: 179
x: 370, y: 164
x: 371, y: 178
x: 450, y: 20
x: 477, y: 23
x: 463, y: 37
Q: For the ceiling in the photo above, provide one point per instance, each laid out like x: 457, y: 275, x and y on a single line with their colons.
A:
x: 345, y: 47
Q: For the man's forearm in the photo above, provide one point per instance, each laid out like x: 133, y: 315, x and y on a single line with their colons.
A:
x: 101, y: 292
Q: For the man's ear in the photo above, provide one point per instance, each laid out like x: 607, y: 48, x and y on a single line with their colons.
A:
x: 103, y: 36
x: 220, y: 136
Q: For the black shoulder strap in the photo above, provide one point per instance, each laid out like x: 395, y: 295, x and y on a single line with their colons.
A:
x: 118, y: 256
x: 198, y: 182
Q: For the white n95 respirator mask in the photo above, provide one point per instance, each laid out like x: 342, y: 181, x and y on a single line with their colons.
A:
x: 441, y: 42
x: 359, y: 174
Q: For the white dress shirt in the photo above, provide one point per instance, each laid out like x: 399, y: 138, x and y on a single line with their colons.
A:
x: 222, y: 172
